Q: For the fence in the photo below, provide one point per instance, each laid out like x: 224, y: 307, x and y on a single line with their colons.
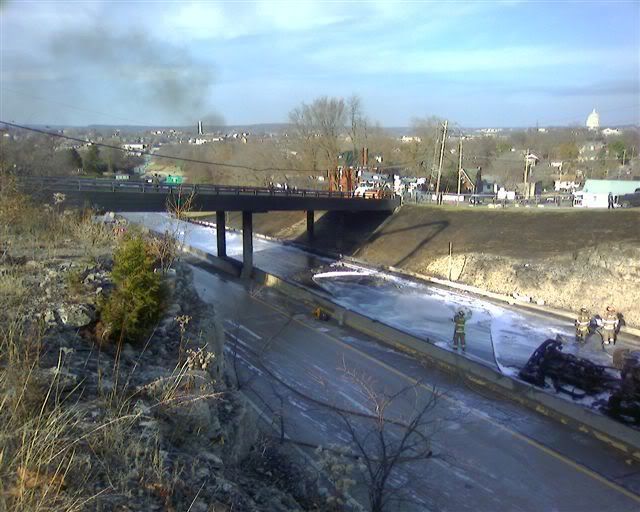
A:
x: 546, y: 200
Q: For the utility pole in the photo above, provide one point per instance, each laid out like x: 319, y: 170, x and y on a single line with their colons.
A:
x: 459, y: 164
x: 444, y: 138
x: 433, y: 160
x: 526, y: 175
x: 624, y: 155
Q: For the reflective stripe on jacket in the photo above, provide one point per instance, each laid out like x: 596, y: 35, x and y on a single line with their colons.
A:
x: 459, y: 321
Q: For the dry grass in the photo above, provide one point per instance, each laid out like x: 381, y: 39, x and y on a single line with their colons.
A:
x: 63, y: 447
x: 39, y: 426
x: 36, y: 431
x: 52, y: 457
x: 13, y: 287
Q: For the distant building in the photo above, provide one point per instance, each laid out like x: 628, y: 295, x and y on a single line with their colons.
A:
x: 372, y: 177
x: 595, y: 193
x: 405, y: 139
x: 134, y: 147
x: 566, y: 183
x: 532, y: 159
x: 593, y: 120
x: 611, y: 131
x: 590, y: 151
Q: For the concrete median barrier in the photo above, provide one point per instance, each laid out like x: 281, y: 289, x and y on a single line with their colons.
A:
x: 476, y: 373
x: 575, y: 416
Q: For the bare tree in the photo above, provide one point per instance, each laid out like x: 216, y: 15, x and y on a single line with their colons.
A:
x: 166, y: 246
x: 317, y: 127
x: 305, y: 135
x: 357, y: 125
x: 180, y: 202
x: 329, y: 118
x: 385, y: 438
x: 384, y: 443
x: 381, y: 442
x: 422, y: 151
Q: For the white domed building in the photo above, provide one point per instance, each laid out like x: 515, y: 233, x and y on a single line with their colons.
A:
x: 593, y: 121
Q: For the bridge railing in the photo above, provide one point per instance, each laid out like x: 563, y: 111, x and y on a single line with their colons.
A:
x: 65, y: 183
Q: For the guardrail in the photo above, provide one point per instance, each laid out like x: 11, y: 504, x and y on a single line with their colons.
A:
x: 476, y: 373
x: 62, y: 184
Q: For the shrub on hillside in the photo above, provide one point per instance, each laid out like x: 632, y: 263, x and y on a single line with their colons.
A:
x: 135, y: 304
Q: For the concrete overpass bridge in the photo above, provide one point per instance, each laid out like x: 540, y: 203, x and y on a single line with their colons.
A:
x: 137, y: 196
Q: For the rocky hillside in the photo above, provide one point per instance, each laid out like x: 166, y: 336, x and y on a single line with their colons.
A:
x: 88, y: 424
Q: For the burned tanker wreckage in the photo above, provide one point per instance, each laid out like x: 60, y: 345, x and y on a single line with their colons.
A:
x: 579, y: 378
x: 615, y: 389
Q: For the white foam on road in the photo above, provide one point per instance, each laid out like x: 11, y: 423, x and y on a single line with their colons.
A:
x: 497, y: 335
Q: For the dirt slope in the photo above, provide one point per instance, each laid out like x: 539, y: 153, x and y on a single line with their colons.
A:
x: 565, y: 257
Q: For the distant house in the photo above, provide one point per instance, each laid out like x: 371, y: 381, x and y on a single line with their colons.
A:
x: 134, y: 147
x: 490, y: 132
x: 611, y: 131
x: 372, y: 177
x: 405, y: 139
x: 532, y: 159
x: 589, y: 151
x: 566, y: 183
x: 485, y: 184
x: 595, y: 193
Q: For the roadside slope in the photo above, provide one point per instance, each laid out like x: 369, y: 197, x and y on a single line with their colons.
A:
x: 566, y: 258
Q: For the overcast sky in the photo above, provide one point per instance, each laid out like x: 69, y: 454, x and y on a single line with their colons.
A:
x: 493, y: 63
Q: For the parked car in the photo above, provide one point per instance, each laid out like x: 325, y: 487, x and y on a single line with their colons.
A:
x: 630, y: 200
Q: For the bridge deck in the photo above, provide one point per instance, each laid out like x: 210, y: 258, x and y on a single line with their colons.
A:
x: 136, y: 196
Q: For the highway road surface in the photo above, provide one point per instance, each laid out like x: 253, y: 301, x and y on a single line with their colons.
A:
x: 498, y: 335
x: 488, y: 454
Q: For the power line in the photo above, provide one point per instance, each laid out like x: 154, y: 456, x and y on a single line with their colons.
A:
x: 156, y: 155
x: 240, y: 166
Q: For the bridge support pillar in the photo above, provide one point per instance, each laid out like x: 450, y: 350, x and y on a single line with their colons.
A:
x: 247, y: 244
x: 221, y: 234
x: 310, y: 224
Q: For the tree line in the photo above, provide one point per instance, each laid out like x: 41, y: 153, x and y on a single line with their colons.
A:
x: 41, y: 155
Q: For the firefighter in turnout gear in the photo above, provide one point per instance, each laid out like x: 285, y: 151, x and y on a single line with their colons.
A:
x: 458, y: 331
x: 582, y: 324
x: 609, y: 326
x: 320, y: 314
